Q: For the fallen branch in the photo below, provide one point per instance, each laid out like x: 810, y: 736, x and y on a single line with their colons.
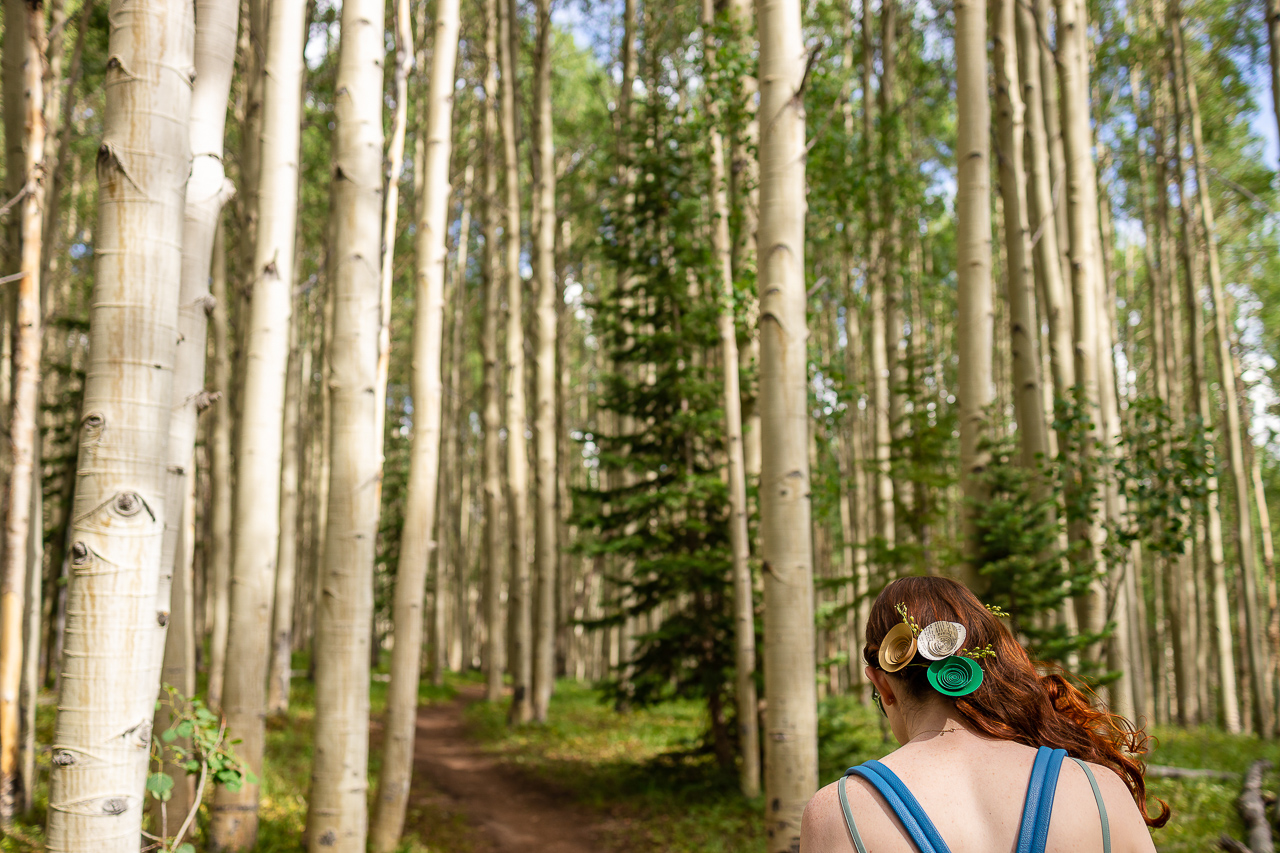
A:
x: 1156, y: 771
x: 1226, y: 842
x: 1254, y: 811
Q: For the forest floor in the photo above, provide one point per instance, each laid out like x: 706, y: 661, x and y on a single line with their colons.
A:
x: 597, y: 780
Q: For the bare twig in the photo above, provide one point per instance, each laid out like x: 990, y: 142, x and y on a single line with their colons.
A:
x: 1156, y: 771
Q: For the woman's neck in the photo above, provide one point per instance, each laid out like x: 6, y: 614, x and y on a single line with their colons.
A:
x: 933, y: 719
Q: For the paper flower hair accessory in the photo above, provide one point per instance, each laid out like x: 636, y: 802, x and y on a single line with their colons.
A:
x: 941, y: 639
x: 955, y: 675
x: 897, y: 648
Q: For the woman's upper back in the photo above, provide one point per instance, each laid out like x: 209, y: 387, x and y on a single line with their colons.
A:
x: 973, y: 790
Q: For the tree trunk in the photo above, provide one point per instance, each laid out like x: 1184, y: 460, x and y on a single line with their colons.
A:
x: 256, y: 500
x: 1273, y: 40
x: 416, y: 542
x: 495, y: 647
x: 1259, y: 675
x: 791, y: 749
x: 546, y: 530
x: 744, y: 623
x: 1033, y: 430
x: 974, y: 330
x: 520, y: 600
x: 1082, y: 213
x: 218, y: 548
x: 116, y: 616
x: 281, y: 663
x: 1043, y: 215
x: 29, y: 696
x: 24, y: 401
x: 337, y: 814
x: 208, y: 190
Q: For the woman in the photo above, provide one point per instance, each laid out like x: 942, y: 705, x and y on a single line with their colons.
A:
x: 981, y: 768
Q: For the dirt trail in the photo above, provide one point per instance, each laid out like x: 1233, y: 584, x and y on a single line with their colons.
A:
x: 509, y: 814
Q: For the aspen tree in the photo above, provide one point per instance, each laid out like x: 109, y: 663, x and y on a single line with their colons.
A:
x: 546, y: 528
x: 24, y: 401
x: 1082, y: 216
x: 208, y: 190
x: 1246, y: 549
x: 431, y: 254
x: 886, y: 526
x: 1028, y: 400
x: 520, y: 599
x: 494, y: 646
x: 115, y: 613
x: 1041, y: 206
x: 791, y: 744
x: 234, y: 824
x: 218, y: 553
x: 279, y: 671
x: 974, y: 329
x: 337, y: 813
x: 744, y: 625
x: 404, y: 60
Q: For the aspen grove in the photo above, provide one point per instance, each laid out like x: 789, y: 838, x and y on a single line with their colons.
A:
x: 572, y: 366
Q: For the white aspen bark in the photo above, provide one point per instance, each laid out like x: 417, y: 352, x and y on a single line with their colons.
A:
x: 24, y: 402
x: 391, y: 204
x: 116, y: 616
x: 546, y: 529
x: 281, y: 656
x: 744, y: 625
x: 420, y: 525
x: 1043, y: 214
x: 208, y: 190
x: 459, y: 468
x: 886, y: 525
x: 1033, y: 430
x: 1245, y: 546
x: 975, y: 318
x: 791, y: 743
x: 520, y: 599
x: 29, y: 696
x: 337, y: 813
x: 218, y: 553
x: 256, y: 504
x: 494, y: 646
x: 1082, y: 216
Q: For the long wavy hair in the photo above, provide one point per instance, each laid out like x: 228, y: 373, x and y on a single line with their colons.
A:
x: 1028, y: 703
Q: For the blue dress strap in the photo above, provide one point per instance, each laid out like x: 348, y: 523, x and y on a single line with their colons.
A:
x: 1038, y: 808
x: 913, y: 818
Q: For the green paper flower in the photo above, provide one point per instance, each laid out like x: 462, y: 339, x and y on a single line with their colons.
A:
x: 955, y: 675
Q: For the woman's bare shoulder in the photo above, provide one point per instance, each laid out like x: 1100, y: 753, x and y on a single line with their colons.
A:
x: 1129, y: 831
x: 823, y: 829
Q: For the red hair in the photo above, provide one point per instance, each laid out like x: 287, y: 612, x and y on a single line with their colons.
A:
x: 1015, y: 701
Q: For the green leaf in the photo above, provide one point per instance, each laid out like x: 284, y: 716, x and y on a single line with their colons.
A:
x: 185, y: 728
x: 168, y: 736
x: 160, y: 786
x: 186, y: 847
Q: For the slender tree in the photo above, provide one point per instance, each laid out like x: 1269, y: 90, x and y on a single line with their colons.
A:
x: 420, y: 509
x: 234, y: 823
x: 115, y: 615
x: 337, y: 813
x: 24, y: 398
x: 519, y: 598
x: 744, y: 623
x: 974, y: 327
x: 208, y: 190
x: 546, y: 529
x: 791, y: 750
x: 280, y: 668
x: 494, y: 647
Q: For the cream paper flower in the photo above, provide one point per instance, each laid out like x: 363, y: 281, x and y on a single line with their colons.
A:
x: 897, y: 648
x: 941, y: 639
